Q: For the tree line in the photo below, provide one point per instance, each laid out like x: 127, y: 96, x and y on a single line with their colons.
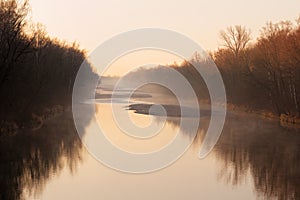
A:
x: 260, y: 75
x: 266, y: 73
x: 36, y: 71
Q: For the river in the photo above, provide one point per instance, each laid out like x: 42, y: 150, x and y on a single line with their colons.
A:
x: 253, y: 159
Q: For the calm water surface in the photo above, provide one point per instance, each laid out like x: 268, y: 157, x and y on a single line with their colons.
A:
x: 253, y: 159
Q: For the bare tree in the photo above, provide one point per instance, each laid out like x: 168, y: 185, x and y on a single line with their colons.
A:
x: 235, y: 38
x: 13, y: 41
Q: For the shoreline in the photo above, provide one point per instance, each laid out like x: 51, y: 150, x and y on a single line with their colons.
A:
x: 11, y: 128
x: 284, y: 120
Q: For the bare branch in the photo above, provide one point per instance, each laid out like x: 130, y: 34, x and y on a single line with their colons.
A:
x: 235, y: 38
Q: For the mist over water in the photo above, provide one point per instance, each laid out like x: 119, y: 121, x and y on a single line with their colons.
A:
x: 254, y: 157
x: 179, y: 122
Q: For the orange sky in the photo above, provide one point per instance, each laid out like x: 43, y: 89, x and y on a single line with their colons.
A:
x: 94, y: 21
x: 91, y: 22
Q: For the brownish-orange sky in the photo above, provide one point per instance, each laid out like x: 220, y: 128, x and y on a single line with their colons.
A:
x: 92, y: 22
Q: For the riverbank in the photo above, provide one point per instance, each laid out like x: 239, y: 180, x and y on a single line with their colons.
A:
x: 286, y: 121
x: 10, y: 128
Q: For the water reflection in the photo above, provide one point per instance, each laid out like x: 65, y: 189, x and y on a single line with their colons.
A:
x: 30, y: 159
x: 251, y: 148
x: 251, y: 152
x: 269, y: 152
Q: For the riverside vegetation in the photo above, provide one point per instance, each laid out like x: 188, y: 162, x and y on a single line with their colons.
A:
x: 37, y: 71
x: 260, y: 77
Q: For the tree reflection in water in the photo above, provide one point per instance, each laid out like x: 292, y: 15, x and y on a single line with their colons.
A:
x: 269, y: 152
x: 29, y: 159
x: 261, y: 150
x: 249, y: 148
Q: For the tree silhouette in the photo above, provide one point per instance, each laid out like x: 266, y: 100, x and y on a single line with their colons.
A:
x: 13, y: 41
x: 235, y: 38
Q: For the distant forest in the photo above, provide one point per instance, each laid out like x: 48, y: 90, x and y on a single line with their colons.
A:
x: 36, y: 71
x: 259, y: 75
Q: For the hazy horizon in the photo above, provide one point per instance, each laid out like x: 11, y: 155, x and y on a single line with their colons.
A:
x: 94, y: 22
x: 175, y: 124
